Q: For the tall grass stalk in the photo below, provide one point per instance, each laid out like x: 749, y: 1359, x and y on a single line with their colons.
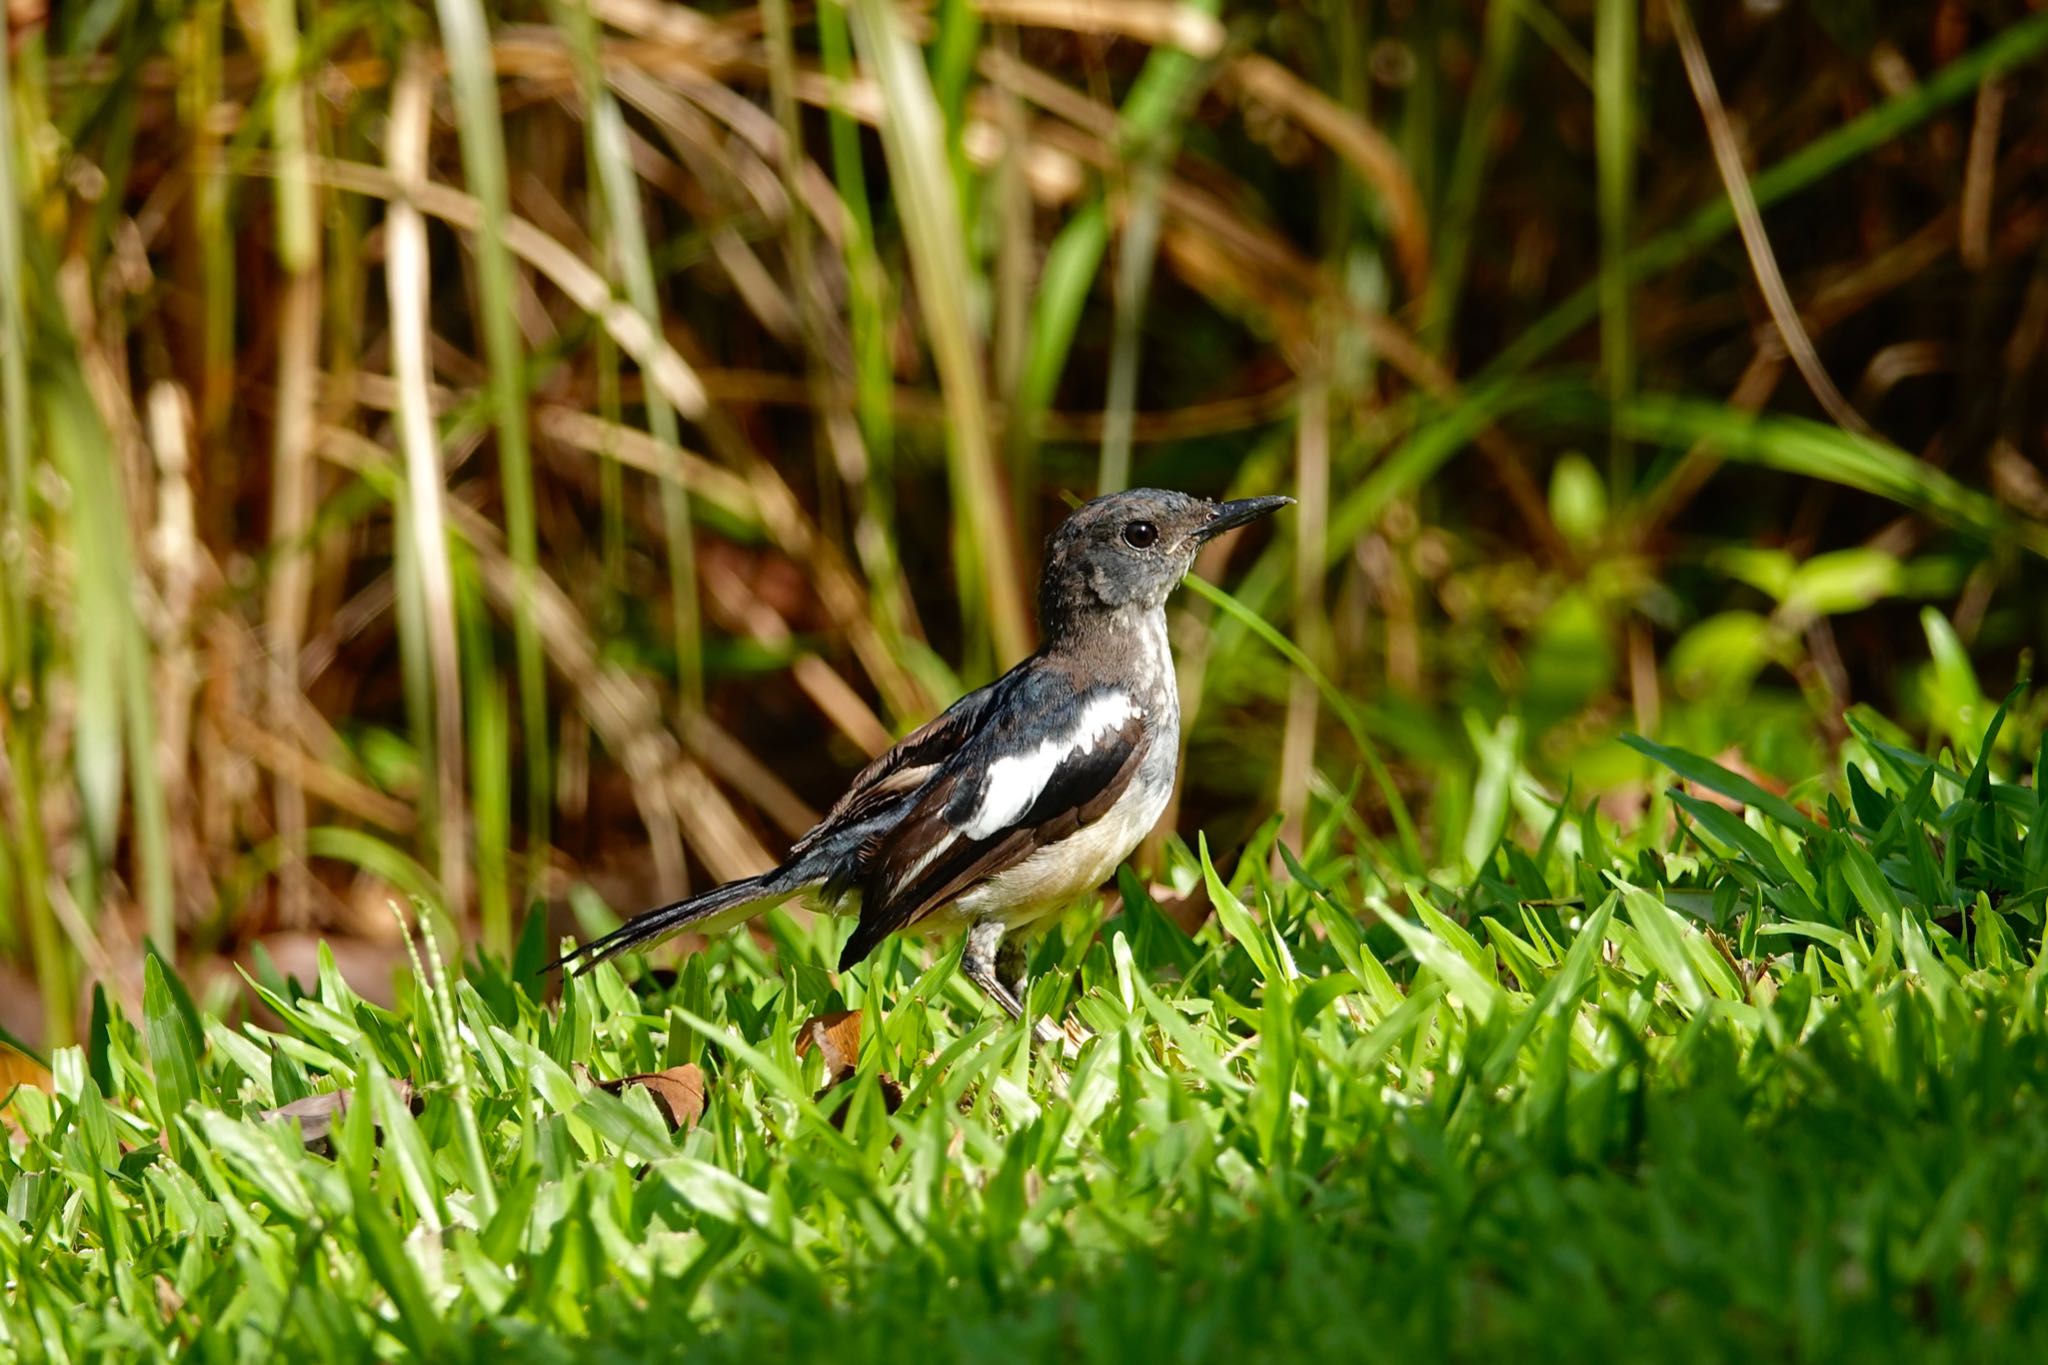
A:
x: 1137, y: 249
x: 18, y: 712
x: 1499, y: 47
x: 200, y: 100
x: 407, y: 289
x: 626, y: 231
x: 115, y: 745
x: 1342, y: 706
x: 1311, y: 491
x: 293, y: 475
x: 1148, y: 123
x: 868, y: 325
x: 1614, y: 143
x: 1763, y: 261
x: 472, y: 74
x: 913, y: 138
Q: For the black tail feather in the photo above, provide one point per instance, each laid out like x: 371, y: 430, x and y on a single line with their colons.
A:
x: 659, y: 923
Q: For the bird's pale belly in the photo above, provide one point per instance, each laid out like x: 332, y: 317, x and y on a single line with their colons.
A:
x: 1055, y: 877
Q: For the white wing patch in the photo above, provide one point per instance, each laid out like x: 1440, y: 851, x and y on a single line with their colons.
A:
x: 1014, y: 782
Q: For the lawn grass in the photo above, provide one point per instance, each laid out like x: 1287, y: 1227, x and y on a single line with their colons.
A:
x: 1769, y: 1084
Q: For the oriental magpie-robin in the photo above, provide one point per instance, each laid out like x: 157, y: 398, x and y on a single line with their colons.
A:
x: 1025, y: 794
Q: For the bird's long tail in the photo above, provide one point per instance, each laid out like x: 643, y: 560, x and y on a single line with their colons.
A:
x: 727, y: 904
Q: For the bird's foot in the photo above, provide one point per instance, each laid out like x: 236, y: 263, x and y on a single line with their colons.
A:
x: 997, y: 966
x: 1068, y: 1036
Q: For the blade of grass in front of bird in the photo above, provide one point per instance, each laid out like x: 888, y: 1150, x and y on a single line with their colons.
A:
x: 1397, y: 807
x: 466, y: 41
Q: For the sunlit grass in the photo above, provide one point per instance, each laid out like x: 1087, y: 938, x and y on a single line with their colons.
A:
x: 1759, y: 1085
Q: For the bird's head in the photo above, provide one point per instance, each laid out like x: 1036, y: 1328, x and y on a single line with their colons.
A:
x: 1131, y: 549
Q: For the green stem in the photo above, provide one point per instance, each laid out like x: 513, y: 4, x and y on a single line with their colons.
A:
x: 466, y: 38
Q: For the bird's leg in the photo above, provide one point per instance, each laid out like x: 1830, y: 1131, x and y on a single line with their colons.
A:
x: 979, y: 964
x: 1013, y: 967
x: 993, y: 962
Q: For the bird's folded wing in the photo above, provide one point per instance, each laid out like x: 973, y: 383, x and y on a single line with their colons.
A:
x: 1055, y: 761
x: 909, y: 764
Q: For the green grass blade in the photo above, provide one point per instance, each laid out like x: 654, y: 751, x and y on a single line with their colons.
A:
x: 1338, y: 702
x: 428, y: 578
x: 53, y: 965
x: 913, y: 138
x: 611, y: 155
x: 1614, y: 141
x: 466, y: 38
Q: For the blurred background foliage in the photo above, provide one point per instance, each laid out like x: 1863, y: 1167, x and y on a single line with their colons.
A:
x: 531, y: 452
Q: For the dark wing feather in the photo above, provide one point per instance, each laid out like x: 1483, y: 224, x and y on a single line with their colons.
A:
x: 901, y: 881
x: 895, y: 777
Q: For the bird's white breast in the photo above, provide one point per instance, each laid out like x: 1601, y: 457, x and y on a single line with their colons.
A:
x: 1059, y: 874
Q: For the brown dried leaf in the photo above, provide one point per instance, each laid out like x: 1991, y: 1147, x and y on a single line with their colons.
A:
x: 678, y: 1092
x: 837, y: 1039
x: 18, y: 1070
x: 317, y: 1114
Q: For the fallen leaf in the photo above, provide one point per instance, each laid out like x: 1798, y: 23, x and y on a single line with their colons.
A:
x: 317, y: 1114
x: 678, y: 1091
x: 836, y: 1038
x: 16, y: 1070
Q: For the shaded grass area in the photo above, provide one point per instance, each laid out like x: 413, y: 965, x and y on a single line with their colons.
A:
x: 1771, y: 1082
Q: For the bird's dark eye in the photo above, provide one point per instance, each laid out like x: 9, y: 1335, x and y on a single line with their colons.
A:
x: 1140, y: 535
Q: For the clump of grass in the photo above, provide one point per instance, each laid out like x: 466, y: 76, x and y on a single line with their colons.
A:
x: 1770, y: 1080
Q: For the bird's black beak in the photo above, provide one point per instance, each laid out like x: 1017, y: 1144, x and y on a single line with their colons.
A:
x: 1237, y: 513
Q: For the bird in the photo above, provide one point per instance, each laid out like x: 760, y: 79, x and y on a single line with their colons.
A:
x: 1023, y: 796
